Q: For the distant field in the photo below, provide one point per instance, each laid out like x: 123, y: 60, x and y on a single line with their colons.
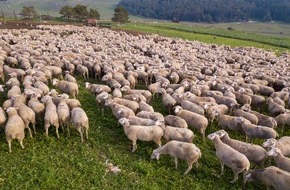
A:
x: 212, y: 35
x: 52, y: 7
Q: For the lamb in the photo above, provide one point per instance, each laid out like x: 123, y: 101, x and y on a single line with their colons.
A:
x: 257, y: 131
x: 254, y: 153
x: 14, y: 128
x: 283, y: 144
x: 271, y: 177
x: 80, y: 120
x: 143, y: 133
x: 66, y: 87
x: 50, y: 116
x: 237, y: 161
x: 179, y: 134
x: 185, y: 151
x: 281, y: 161
x: 193, y: 119
x: 175, y: 121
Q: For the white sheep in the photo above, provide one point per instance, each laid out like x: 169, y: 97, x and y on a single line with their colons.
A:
x: 80, y: 120
x: 185, y: 151
x: 143, y: 133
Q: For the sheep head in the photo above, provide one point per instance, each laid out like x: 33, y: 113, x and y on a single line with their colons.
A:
x: 155, y: 154
x: 55, y: 82
x: 177, y: 109
x: 274, y: 152
x: 212, y: 136
x: 269, y: 142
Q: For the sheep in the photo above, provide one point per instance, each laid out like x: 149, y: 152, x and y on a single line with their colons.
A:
x: 283, y: 144
x: 175, y: 121
x: 63, y: 112
x: 274, y: 108
x: 154, y: 87
x: 227, y: 121
x: 145, y: 93
x: 263, y: 120
x: 183, y: 150
x: 120, y: 111
x: 151, y: 115
x: 224, y: 100
x: 193, y: 119
x: 134, y: 106
x: 282, y: 120
x: 210, y: 109
x: 50, y: 116
x: 257, y: 100
x: 73, y: 103
x: 143, y: 106
x: 187, y: 105
x: 254, y: 153
x: 237, y: 161
x: 135, y: 97
x: 167, y: 100
x: 14, y: 128
x: 179, y: 134
x: 257, y: 131
x: 80, y: 121
x: 69, y: 77
x: 82, y: 70
x: 247, y: 115
x: 281, y: 161
x: 42, y: 86
x: 94, y: 88
x: 117, y: 93
x: 36, y: 106
x: 13, y: 81
x: 143, y: 133
x: 271, y: 177
x: 15, y: 90
x: 66, y: 87
x: 134, y: 120
x: 3, y: 117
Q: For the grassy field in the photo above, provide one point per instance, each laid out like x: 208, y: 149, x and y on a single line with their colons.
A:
x: 66, y: 163
x: 212, y: 35
x: 52, y: 7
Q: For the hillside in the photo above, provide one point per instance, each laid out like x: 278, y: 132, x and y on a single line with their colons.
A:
x: 105, y: 7
x: 210, y: 10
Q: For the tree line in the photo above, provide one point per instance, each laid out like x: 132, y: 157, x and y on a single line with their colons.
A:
x: 78, y: 13
x: 210, y: 10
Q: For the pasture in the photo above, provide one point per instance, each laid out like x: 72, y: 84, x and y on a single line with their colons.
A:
x: 66, y: 163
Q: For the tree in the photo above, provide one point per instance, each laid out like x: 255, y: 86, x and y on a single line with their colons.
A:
x: 121, y: 15
x: 29, y: 12
x: 67, y: 11
x: 81, y: 12
x: 94, y: 14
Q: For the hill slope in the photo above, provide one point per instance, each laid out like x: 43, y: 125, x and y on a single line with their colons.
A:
x: 210, y: 10
x: 52, y: 7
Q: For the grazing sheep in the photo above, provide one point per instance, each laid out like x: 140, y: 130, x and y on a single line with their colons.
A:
x: 175, y: 121
x: 283, y: 144
x: 179, y: 134
x: 80, y: 120
x: 281, y: 161
x: 185, y: 151
x: 235, y: 160
x: 14, y: 128
x: 193, y: 119
x: 283, y: 120
x: 50, y: 115
x: 256, y: 131
x: 254, y: 153
x: 143, y: 133
x: 271, y: 177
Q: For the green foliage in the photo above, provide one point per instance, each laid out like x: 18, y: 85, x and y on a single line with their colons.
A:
x: 67, y: 11
x: 120, y: 15
x: 94, y: 14
x: 80, y: 12
x: 28, y: 12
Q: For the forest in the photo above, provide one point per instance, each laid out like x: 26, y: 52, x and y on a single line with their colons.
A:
x: 210, y: 10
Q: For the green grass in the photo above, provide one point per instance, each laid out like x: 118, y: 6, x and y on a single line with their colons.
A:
x: 214, y: 35
x: 66, y: 163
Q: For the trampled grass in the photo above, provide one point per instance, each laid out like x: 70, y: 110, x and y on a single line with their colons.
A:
x: 66, y: 163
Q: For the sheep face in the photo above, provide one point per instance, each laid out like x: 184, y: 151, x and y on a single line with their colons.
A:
x: 240, y: 119
x: 55, y: 82
x: 221, y: 133
x: 269, y: 142
x: 177, y: 109
x: 212, y: 136
x: 123, y: 120
x: 155, y: 155
x: 87, y: 85
x: 274, y: 152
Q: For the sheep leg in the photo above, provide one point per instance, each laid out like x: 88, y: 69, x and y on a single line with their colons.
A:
x: 222, y: 169
x: 29, y: 130
x: 46, y: 126
x: 21, y: 144
x: 79, y: 129
x: 244, y: 177
x: 56, y: 130
x: 9, y: 145
x: 235, y: 177
x: 87, y: 133
x: 34, y: 129
x: 188, y: 169
x: 176, y: 162
x: 134, y: 145
x: 68, y: 130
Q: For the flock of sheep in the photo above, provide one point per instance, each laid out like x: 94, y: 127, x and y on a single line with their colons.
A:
x: 198, y: 83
